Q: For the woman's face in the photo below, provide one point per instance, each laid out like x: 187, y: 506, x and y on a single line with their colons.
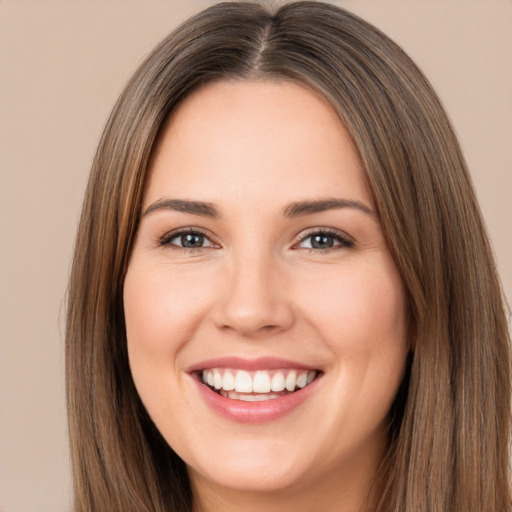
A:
x: 260, y: 267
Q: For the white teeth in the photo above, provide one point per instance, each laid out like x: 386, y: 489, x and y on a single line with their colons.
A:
x: 256, y: 398
x: 233, y: 395
x: 261, y: 383
x: 243, y: 382
x: 217, y: 379
x: 228, y: 382
x: 302, y: 379
x: 291, y: 381
x: 278, y: 382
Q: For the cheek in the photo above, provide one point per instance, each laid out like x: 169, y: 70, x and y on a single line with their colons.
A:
x: 152, y: 314
x: 160, y: 310
x: 144, y: 310
x: 360, y: 309
x: 159, y: 321
x: 363, y: 319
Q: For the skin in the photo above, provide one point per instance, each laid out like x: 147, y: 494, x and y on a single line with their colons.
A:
x: 256, y: 288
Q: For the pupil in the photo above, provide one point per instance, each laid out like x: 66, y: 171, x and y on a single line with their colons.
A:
x: 322, y: 242
x: 192, y: 240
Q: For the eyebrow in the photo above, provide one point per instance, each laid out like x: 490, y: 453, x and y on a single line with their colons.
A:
x: 296, y: 209
x: 185, y: 206
x: 302, y: 208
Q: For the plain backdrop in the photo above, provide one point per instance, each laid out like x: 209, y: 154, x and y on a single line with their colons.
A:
x: 62, y: 65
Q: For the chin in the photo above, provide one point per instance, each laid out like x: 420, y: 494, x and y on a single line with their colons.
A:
x: 258, y: 476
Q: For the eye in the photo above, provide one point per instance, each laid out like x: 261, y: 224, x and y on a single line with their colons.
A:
x: 187, y: 239
x: 323, y: 240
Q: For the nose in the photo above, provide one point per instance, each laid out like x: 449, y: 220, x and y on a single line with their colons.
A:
x: 254, y: 300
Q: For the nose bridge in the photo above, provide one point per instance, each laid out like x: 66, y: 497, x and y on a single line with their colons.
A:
x: 254, y: 300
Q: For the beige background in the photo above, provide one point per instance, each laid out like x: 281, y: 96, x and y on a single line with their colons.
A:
x: 63, y: 63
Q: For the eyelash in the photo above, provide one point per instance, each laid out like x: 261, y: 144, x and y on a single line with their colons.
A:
x: 338, y: 236
x: 342, y: 240
x: 167, y: 239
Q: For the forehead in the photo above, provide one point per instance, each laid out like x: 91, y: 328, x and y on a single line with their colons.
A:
x: 255, y: 136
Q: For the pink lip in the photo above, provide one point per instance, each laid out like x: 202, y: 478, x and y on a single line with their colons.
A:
x: 261, y: 363
x: 252, y: 412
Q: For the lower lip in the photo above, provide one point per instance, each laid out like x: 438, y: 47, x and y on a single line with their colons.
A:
x: 255, y: 412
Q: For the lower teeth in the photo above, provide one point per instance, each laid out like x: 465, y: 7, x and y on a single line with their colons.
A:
x: 252, y: 397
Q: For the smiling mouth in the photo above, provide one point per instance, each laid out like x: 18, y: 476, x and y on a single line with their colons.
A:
x: 256, y: 386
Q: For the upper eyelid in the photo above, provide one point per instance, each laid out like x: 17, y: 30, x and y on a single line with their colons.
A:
x: 169, y: 235
x: 344, y: 241
x: 303, y: 235
x: 324, y: 230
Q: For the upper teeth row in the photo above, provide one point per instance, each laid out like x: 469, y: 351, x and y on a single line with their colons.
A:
x: 260, y: 382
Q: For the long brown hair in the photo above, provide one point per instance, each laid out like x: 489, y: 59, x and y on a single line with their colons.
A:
x: 449, y: 427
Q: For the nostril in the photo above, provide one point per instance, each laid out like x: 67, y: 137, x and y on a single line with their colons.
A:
x: 254, y: 322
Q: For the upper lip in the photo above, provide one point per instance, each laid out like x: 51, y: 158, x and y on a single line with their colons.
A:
x: 253, y: 364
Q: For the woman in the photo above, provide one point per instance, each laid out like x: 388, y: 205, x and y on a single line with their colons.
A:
x: 283, y: 296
